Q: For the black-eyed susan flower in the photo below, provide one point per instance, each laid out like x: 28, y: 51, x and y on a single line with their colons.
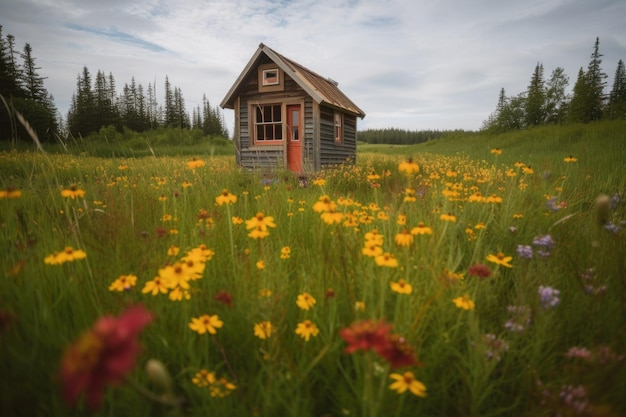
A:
x: 258, y: 233
x: 306, y: 329
x: 263, y: 330
x: 374, y: 237
x: 319, y: 182
x: 372, y: 250
x: 72, y: 192
x: 404, y: 238
x: 123, y: 283
x: 285, y: 252
x: 500, y: 259
x: 260, y: 221
x: 464, y: 302
x: 406, y: 381
x: 195, y: 163
x: 570, y: 159
x: 496, y: 151
x: 359, y: 305
x: 448, y: 217
x: 408, y: 167
x: 265, y: 293
x: 225, y: 198
x: 206, y: 323
x: 401, y: 287
x: 421, y: 229
x: 68, y: 254
x: 156, y: 286
x: 305, y: 301
x: 176, y: 275
x: 386, y: 259
x: 260, y: 264
x: 324, y: 204
x: 10, y: 192
x: 237, y: 220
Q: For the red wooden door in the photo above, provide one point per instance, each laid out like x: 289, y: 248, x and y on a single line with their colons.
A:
x: 294, y: 138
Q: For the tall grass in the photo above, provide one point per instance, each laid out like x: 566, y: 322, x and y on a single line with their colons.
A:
x: 509, y: 355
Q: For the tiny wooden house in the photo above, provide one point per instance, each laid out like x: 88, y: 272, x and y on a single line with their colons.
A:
x: 287, y: 116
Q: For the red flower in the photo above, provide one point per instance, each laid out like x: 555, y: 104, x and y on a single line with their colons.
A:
x: 398, y: 352
x: 102, y: 355
x: 366, y: 335
x: 224, y: 297
x: 479, y: 270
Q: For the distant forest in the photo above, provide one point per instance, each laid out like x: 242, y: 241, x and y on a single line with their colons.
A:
x: 546, y: 101
x: 96, y: 103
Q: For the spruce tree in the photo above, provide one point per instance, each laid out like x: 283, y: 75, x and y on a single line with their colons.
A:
x: 578, y: 105
x: 617, y: 97
x: 596, y: 83
x: 536, y: 98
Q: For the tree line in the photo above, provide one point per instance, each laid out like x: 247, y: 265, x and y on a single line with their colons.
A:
x: 22, y: 90
x: 95, y: 104
x: 398, y: 136
x: 547, y: 101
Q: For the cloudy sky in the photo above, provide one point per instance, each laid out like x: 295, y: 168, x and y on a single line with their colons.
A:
x: 423, y: 64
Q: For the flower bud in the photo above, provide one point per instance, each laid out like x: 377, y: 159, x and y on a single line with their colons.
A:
x: 603, y: 209
x: 159, y: 375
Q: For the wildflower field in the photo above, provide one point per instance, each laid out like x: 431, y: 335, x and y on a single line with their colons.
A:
x: 476, y: 278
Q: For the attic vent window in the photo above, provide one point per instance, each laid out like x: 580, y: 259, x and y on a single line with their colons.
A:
x: 270, y: 77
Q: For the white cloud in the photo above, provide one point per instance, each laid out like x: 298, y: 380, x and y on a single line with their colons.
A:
x: 415, y: 65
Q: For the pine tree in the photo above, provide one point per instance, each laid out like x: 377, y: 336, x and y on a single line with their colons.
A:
x: 556, y: 97
x: 596, y: 83
x: 536, y: 98
x: 578, y: 105
x: 617, y: 97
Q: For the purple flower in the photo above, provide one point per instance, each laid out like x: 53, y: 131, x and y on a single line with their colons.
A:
x: 525, y: 251
x: 544, y: 245
x: 494, y: 346
x: 612, y: 227
x: 549, y: 296
x: 520, y: 319
x: 553, y: 205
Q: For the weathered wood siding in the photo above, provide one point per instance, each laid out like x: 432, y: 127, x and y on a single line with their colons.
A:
x: 270, y: 157
x: 331, y: 152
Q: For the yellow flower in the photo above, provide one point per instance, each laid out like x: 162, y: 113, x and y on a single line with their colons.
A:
x: 175, y: 275
x: 500, y: 259
x: 401, y: 287
x: 237, y: 220
x: 372, y: 250
x: 527, y: 170
x: 285, y: 252
x: 260, y: 221
x: 66, y: 255
x: 72, y: 192
x: 404, y: 238
x: 324, y: 204
x: 464, y: 302
x: 10, y: 192
x: 265, y: 293
x: 401, y: 219
x: 123, y: 283
x: 172, y: 251
x: 225, y: 198
x: 306, y: 329
x: 408, y: 167
x: 570, y: 159
x: 195, y: 163
x: 332, y: 216
x: 407, y: 381
x: 319, y: 181
x: 259, y: 233
x: 359, y: 305
x: 206, y: 323
x: 305, y: 301
x: 374, y: 237
x: 518, y: 215
x: 260, y: 264
x: 386, y: 259
x: 263, y: 330
x: 421, y: 229
x: 186, y: 184
x: 448, y: 217
x: 155, y: 287
x: 496, y: 151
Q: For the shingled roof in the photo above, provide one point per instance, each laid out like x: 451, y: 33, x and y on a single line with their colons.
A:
x: 321, y: 89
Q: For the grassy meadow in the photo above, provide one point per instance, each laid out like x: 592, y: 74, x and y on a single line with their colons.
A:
x: 468, y: 276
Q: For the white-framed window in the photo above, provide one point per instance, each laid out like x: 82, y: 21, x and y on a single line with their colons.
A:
x: 271, y: 77
x: 268, y: 123
x: 338, y: 127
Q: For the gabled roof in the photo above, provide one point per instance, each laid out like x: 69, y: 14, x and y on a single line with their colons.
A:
x: 322, y: 90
